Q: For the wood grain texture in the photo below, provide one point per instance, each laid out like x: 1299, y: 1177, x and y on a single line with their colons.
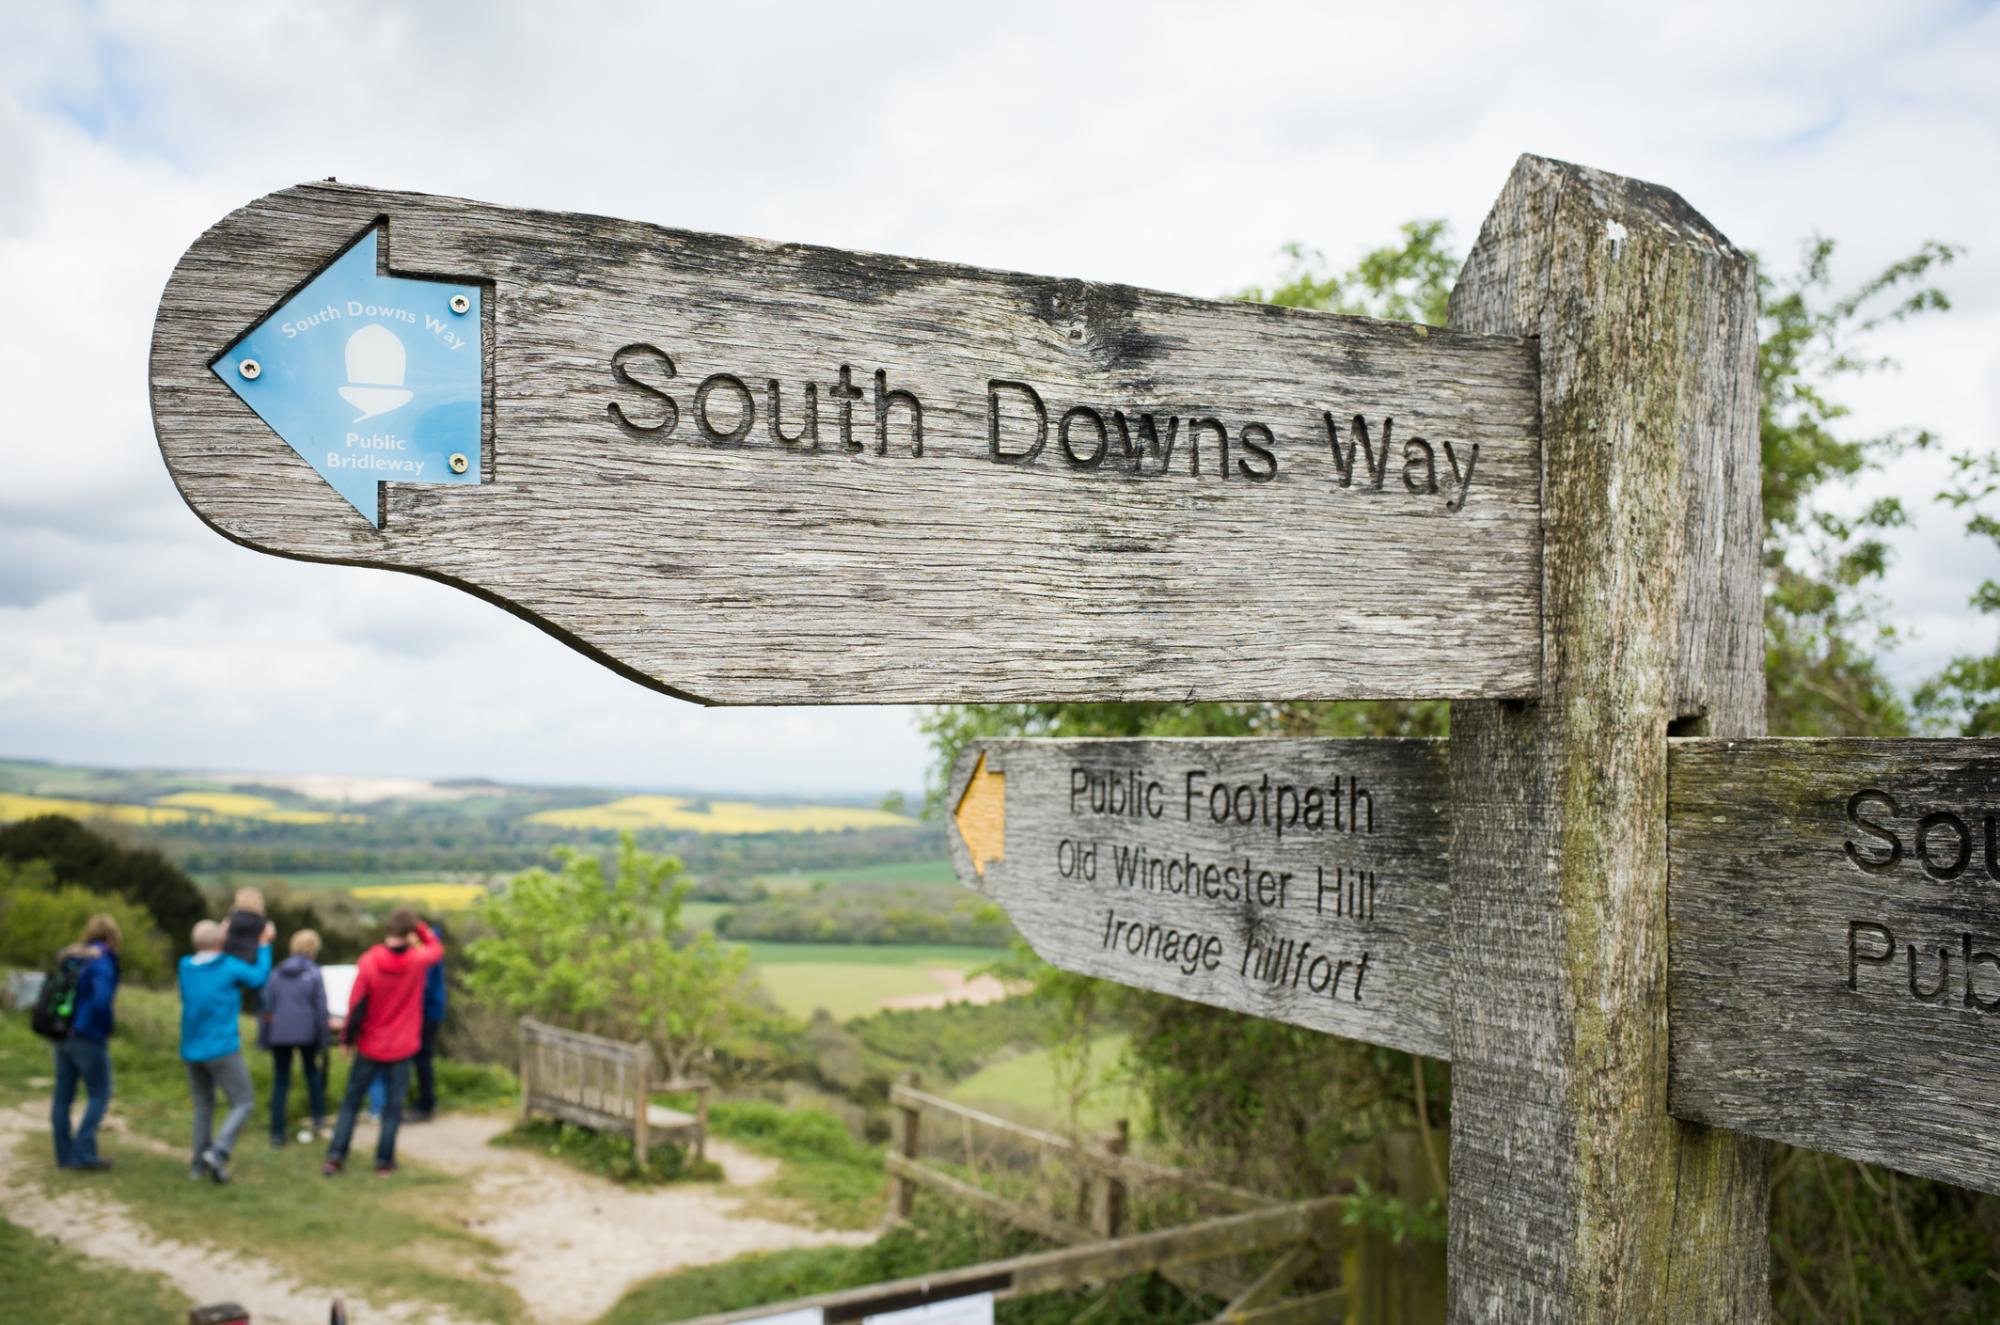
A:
x: 765, y: 572
x: 1894, y: 1059
x: 1281, y: 948
x: 1575, y: 1196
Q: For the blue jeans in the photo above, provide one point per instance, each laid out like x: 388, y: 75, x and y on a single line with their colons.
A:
x: 312, y: 1063
x: 366, y: 1070
x: 88, y: 1061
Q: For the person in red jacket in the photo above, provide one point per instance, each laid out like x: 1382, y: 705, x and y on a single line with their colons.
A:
x: 385, y: 1027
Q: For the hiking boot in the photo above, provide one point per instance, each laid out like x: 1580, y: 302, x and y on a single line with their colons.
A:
x: 330, y: 1169
x: 217, y: 1164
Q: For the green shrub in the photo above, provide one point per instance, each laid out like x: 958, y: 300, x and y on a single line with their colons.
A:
x: 88, y: 859
x: 838, y: 1179
x: 463, y: 1085
x: 38, y: 919
x: 607, y: 1154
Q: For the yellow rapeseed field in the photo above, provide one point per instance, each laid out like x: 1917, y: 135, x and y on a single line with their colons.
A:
x: 238, y: 805
x: 425, y: 896
x: 14, y: 806
x: 177, y: 808
x: 637, y: 812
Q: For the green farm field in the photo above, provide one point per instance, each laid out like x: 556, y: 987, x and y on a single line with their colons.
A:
x: 1034, y: 1087
x: 936, y: 872
x: 342, y: 881
x: 853, y: 979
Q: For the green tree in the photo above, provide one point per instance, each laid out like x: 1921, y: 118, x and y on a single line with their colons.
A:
x: 1964, y: 698
x: 608, y: 954
x: 91, y: 860
x: 1824, y: 630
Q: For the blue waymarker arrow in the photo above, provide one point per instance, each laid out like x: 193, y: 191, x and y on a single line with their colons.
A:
x: 371, y: 378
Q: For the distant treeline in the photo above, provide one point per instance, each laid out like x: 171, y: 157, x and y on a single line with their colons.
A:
x: 408, y: 844
x: 868, y: 913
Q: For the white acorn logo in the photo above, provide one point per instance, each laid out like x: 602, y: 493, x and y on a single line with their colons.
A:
x: 376, y: 364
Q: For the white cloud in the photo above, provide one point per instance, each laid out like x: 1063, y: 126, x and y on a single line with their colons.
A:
x: 1168, y: 145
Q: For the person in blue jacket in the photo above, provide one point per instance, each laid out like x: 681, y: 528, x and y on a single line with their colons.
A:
x: 212, y: 1042
x: 84, y: 1054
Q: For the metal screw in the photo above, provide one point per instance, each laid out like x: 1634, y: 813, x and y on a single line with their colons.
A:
x: 250, y: 369
x: 460, y: 304
x: 459, y: 464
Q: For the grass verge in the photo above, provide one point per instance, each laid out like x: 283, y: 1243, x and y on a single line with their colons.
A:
x: 835, y: 1179
x: 388, y: 1240
x: 49, y: 1284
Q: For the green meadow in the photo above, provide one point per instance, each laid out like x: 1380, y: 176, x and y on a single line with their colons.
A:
x: 936, y: 872
x: 853, y: 979
x: 1040, y: 1087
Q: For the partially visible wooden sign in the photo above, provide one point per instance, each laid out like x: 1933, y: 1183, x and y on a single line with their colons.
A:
x: 762, y: 473
x: 1835, y: 913
x: 1299, y: 880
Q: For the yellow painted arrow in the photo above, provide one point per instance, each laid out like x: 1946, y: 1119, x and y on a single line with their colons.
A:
x: 982, y: 817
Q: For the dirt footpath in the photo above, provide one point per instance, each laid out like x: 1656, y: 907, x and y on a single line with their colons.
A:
x: 573, y: 1243
x: 979, y: 990
x: 570, y: 1243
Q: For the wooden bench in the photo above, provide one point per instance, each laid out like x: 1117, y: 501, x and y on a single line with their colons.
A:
x: 606, y: 1085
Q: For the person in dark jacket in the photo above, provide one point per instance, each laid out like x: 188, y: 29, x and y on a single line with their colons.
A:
x: 295, y: 1022
x: 426, y: 1072
x: 85, y: 1054
x: 243, y: 932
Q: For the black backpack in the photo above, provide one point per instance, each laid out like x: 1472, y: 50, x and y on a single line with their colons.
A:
x: 55, y: 1006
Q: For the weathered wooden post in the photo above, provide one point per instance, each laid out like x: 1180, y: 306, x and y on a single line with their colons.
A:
x: 527, y: 1051
x: 907, y: 1137
x: 1389, y: 1280
x: 642, y: 1074
x: 1575, y: 1197
x: 1109, y: 1219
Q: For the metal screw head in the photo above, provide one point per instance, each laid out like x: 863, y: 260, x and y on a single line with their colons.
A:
x: 460, y: 305
x: 459, y: 464
x: 250, y: 369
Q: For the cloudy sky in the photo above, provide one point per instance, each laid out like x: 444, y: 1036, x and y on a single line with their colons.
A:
x: 1172, y: 146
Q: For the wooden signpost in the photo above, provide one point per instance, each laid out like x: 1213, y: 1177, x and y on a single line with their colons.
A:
x: 1298, y: 880
x: 759, y: 473
x: 773, y: 474
x: 1576, y: 1195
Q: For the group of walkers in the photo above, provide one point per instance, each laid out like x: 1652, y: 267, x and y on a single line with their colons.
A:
x: 390, y: 1028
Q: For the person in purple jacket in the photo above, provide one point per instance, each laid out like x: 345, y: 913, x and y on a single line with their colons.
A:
x: 83, y: 1056
x: 295, y: 1022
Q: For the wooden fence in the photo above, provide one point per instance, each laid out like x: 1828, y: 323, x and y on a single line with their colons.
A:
x: 606, y: 1085
x: 1293, y: 1226
x: 1095, y: 1201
